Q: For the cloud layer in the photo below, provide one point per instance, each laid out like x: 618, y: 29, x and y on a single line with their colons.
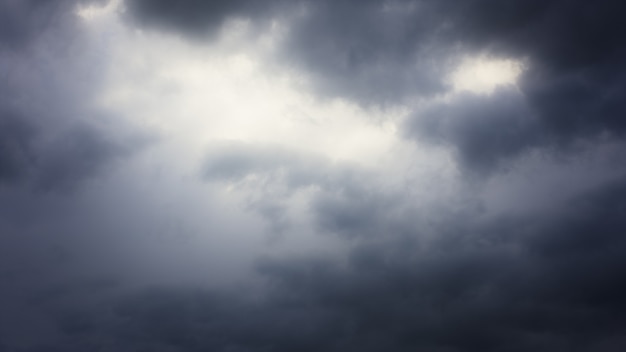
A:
x: 311, y: 175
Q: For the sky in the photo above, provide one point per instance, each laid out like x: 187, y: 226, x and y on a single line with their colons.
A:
x: 312, y: 175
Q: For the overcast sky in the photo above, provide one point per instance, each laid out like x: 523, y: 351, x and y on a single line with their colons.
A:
x: 312, y: 175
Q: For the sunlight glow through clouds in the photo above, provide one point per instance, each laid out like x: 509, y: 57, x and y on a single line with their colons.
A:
x: 200, y: 94
x: 91, y: 12
x: 482, y: 75
x: 197, y: 97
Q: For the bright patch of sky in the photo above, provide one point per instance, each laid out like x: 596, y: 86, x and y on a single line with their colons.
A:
x: 482, y: 75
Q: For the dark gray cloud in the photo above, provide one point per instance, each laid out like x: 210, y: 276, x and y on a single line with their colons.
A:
x: 29, y: 155
x: 514, y: 285
x: 52, y: 162
x: 50, y: 138
x: 574, y: 83
x: 15, y: 137
x: 198, y: 18
x: 485, y: 130
x: 78, y: 155
x: 374, y: 52
x: 22, y: 22
x: 52, y: 141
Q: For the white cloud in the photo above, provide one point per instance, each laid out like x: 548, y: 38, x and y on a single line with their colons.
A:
x: 482, y: 75
x: 94, y: 12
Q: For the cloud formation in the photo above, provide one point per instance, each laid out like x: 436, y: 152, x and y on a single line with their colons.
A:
x: 404, y: 211
x: 511, y: 285
x: 378, y: 52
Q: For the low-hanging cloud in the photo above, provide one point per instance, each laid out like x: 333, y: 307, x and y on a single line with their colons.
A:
x: 478, y: 221
x: 510, y: 285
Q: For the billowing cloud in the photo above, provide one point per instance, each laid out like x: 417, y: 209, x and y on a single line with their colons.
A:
x: 312, y: 175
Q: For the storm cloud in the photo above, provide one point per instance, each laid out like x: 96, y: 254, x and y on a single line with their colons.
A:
x: 511, y: 285
x: 312, y: 175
